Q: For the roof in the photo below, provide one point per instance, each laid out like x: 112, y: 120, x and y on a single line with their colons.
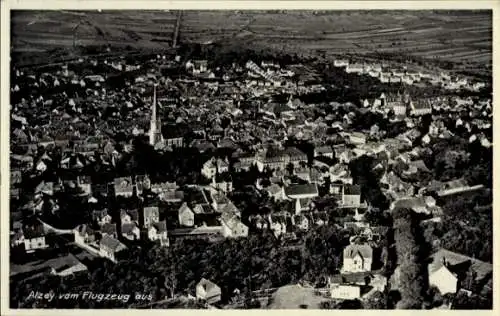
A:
x: 208, y: 285
x: 108, y: 228
x: 352, y: 189
x: 160, y: 226
x: 202, y: 209
x: 420, y: 165
x: 111, y: 243
x: 84, y: 229
x: 184, y: 207
x: 34, y: 231
x: 410, y: 203
x: 151, y: 211
x: 128, y: 228
x: 482, y: 268
x: 301, y: 189
x: 123, y: 184
x: 365, y: 251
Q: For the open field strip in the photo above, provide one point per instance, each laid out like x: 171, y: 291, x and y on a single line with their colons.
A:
x: 471, y: 56
x: 443, y: 51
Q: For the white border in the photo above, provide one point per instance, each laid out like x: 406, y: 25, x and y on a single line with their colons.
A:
x: 204, y: 5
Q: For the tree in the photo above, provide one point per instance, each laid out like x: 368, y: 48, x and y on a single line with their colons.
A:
x: 377, y: 300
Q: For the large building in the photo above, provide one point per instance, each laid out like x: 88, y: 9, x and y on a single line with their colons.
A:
x: 155, y: 135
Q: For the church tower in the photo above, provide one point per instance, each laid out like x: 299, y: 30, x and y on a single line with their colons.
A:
x: 155, y: 135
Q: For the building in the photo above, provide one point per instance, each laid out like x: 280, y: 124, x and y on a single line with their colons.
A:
x: 325, y: 151
x: 155, y: 135
x: 351, y: 195
x: 208, y: 291
x: 101, y: 217
x: 300, y: 191
x: 123, y: 187
x: 131, y: 231
x: 151, y: 216
x: 340, y: 63
x: 84, y: 234
x: 109, y: 247
x: 34, y: 238
x: 420, y: 108
x: 233, y: 227
x: 357, y: 258
x: 354, y: 68
x: 442, y: 278
x: 345, y: 291
x: 186, y: 215
x: 158, y: 231
x: 449, y: 270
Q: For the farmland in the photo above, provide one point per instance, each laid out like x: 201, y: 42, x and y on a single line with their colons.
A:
x: 463, y: 37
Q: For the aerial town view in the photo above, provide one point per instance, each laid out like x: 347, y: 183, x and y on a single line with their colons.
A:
x: 184, y: 159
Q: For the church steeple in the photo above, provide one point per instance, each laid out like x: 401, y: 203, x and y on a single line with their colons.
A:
x: 155, y: 135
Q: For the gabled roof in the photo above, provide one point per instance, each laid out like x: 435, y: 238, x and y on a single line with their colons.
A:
x: 128, y: 228
x: 108, y: 228
x: 151, y: 211
x: 299, y: 189
x: 482, y: 268
x: 112, y: 243
x: 365, y: 251
x: 208, y: 286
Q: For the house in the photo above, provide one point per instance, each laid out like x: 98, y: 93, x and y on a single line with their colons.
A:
x: 357, y: 258
x: 325, y: 151
x: 214, y: 166
x: 84, y: 234
x: 131, y: 231
x: 300, y: 191
x: 15, y: 177
x: 123, y: 187
x: 223, y: 184
x: 278, y: 224
x: 420, y: 108
x: 45, y: 188
x: 354, y: 68
x: 232, y: 226
x: 151, y: 216
x: 65, y: 266
x: 302, y: 205
x: 340, y: 63
x: 199, y: 66
x: 208, y: 291
x: 158, y: 231
x: 186, y: 215
x: 459, y: 267
x: 343, y: 154
x: 301, y: 222
x: 110, y: 247
x: 258, y: 221
x: 101, y: 217
x: 109, y: 229
x: 34, y: 238
x: 345, y: 291
x: 355, y: 138
x: 416, y: 204
x: 442, y: 278
x: 84, y: 183
x: 275, y: 191
x: 351, y: 195
x: 129, y: 216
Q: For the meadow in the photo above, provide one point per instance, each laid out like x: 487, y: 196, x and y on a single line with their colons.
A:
x: 453, y: 36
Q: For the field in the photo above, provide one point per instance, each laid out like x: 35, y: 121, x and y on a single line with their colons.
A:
x: 457, y: 36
